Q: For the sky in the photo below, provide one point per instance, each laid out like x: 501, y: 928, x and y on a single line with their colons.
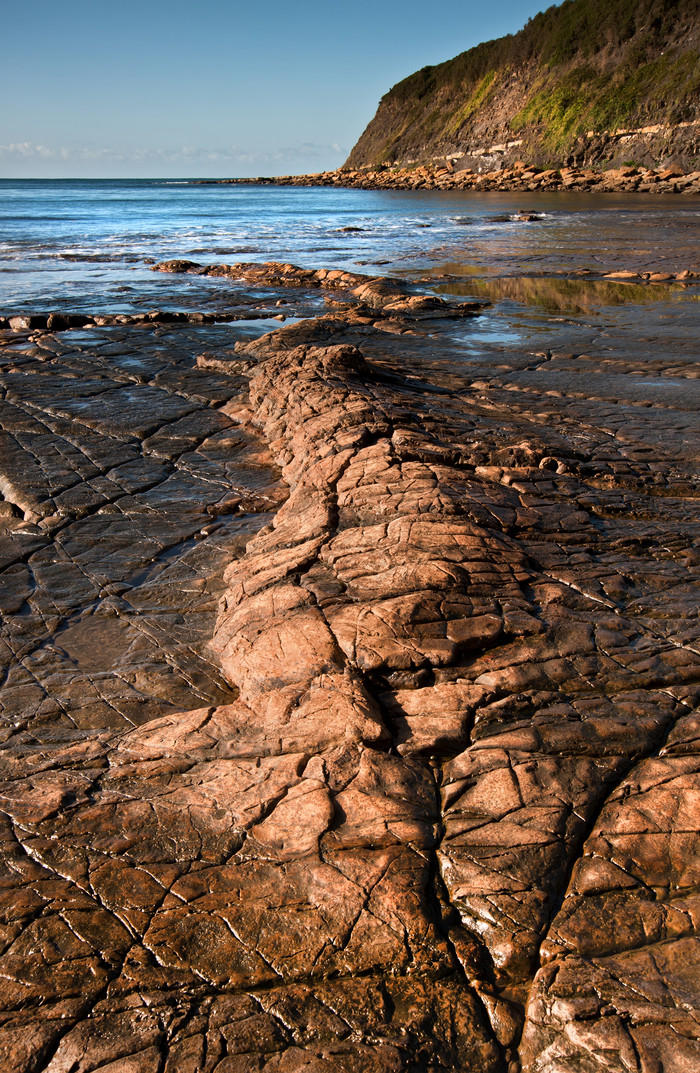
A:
x: 195, y: 88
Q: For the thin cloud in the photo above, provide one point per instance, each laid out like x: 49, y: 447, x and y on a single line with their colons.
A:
x: 224, y: 154
x: 27, y: 149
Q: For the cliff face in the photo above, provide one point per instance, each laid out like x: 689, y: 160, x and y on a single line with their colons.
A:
x: 587, y: 81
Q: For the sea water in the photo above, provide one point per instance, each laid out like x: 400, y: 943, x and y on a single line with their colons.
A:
x: 85, y: 245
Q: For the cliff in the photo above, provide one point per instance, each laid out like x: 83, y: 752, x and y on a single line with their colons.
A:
x: 585, y: 82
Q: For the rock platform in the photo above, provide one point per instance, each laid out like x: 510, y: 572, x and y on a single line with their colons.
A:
x: 449, y: 176
x: 396, y: 770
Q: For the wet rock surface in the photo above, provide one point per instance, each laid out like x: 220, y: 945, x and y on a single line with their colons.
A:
x: 118, y: 465
x: 428, y: 798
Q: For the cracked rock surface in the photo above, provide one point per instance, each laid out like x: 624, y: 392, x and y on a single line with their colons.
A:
x: 428, y: 799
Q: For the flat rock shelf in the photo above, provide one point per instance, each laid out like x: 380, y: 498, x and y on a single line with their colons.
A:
x: 350, y: 693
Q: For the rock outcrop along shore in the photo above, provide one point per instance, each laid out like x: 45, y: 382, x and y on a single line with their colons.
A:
x: 448, y: 817
x: 448, y: 175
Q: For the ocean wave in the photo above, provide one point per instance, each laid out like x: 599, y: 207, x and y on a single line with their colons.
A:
x: 225, y: 249
x: 98, y: 258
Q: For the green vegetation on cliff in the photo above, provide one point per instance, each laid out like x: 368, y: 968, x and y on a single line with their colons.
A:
x: 583, y: 66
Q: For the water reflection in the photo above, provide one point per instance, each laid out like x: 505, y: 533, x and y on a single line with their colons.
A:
x: 556, y: 295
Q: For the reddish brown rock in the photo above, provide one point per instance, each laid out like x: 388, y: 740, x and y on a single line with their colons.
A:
x: 457, y: 744
x: 444, y: 176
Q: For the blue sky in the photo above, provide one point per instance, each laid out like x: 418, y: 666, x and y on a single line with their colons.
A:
x: 213, y: 88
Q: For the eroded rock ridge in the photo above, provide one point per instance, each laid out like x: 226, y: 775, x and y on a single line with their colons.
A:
x: 449, y: 822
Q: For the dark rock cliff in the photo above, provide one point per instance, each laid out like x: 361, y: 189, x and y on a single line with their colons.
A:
x: 587, y: 81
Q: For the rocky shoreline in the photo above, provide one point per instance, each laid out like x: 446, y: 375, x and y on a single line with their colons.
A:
x: 445, y: 817
x: 445, y: 175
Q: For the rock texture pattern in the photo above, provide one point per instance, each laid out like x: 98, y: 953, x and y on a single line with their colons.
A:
x: 447, y: 817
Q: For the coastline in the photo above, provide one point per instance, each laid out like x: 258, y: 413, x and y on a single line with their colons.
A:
x: 445, y: 176
x: 455, y: 664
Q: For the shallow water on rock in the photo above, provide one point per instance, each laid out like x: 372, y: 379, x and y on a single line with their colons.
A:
x: 556, y: 294
x: 137, y: 490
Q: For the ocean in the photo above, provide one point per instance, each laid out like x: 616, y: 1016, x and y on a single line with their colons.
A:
x: 84, y: 245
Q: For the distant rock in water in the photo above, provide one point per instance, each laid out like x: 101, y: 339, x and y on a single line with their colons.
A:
x: 585, y: 82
